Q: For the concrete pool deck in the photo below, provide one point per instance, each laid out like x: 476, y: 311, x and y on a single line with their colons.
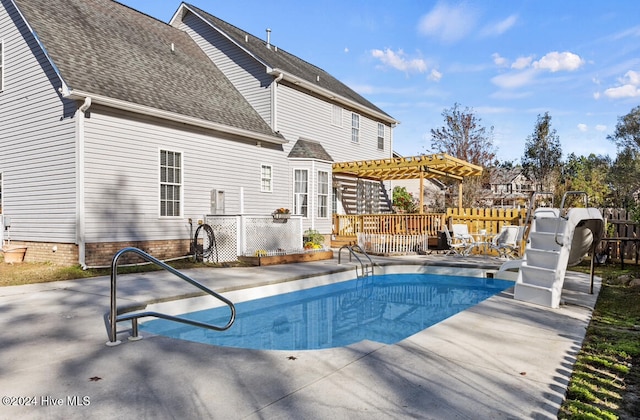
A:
x: 500, y: 359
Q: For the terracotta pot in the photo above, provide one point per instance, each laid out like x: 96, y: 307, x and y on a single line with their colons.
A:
x: 14, y: 254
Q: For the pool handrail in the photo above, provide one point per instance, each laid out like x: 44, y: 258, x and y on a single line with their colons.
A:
x: 352, y: 252
x: 115, y: 317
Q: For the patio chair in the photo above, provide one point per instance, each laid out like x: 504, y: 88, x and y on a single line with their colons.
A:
x: 506, y: 243
x: 457, y: 247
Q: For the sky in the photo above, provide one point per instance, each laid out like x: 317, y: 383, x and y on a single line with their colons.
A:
x: 508, y: 61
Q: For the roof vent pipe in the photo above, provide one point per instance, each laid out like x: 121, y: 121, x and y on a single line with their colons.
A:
x: 268, y: 37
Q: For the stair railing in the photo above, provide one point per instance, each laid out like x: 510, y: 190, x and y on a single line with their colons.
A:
x: 114, y: 316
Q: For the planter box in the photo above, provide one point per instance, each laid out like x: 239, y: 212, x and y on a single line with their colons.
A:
x: 289, y: 258
x: 14, y: 254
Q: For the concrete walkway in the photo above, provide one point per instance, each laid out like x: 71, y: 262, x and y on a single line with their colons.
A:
x: 500, y: 359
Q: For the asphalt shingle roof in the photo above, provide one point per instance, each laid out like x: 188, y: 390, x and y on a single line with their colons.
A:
x: 309, y: 149
x: 278, y: 58
x: 104, y: 48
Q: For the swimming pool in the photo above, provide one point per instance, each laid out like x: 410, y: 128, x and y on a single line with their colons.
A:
x: 384, y: 308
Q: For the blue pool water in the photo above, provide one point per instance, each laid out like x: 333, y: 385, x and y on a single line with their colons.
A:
x: 386, y: 308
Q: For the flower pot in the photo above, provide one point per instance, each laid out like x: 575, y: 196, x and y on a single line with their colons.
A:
x: 14, y: 254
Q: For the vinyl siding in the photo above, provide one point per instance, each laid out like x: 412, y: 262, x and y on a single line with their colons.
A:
x: 246, y: 74
x: 303, y: 115
x: 37, y: 140
x: 122, y: 175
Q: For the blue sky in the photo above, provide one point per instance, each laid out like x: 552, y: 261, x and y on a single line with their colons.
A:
x: 508, y: 60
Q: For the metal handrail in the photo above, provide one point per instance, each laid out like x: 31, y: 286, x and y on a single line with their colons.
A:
x: 114, y: 317
x: 564, y: 197
x: 352, y: 252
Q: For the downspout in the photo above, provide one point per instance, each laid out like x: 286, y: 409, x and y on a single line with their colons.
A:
x: 274, y: 102
x: 80, y: 181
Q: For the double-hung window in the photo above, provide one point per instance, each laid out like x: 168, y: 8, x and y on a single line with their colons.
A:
x: 323, y: 193
x: 301, y: 192
x: 380, y: 136
x: 355, y: 128
x: 266, y: 178
x: 170, y: 183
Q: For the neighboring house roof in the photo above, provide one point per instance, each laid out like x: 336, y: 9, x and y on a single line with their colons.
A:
x: 117, y: 56
x: 504, y: 176
x: 278, y: 61
x: 309, y: 149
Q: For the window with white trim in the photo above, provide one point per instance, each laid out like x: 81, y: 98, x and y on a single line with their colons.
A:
x: 336, y: 116
x: 170, y: 183
x: 380, y: 136
x: 1, y: 65
x: 301, y: 192
x: 323, y: 193
x: 266, y: 178
x: 355, y: 128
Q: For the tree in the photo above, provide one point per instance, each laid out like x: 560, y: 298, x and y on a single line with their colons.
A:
x: 465, y: 138
x: 627, y: 132
x: 624, y: 177
x: 404, y: 200
x: 542, y: 156
x: 589, y: 174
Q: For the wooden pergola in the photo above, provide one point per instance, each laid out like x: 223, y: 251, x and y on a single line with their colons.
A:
x: 422, y: 167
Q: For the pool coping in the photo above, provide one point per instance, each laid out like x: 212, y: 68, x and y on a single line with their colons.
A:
x: 501, y: 358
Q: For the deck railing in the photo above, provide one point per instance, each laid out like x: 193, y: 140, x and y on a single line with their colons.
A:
x: 430, y: 224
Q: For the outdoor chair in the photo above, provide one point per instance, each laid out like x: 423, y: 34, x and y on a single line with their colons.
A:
x: 507, y: 242
x: 457, y: 247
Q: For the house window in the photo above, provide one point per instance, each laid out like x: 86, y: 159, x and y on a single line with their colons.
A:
x: 1, y: 65
x: 301, y: 192
x: 380, y: 136
x: 336, y: 116
x: 1, y: 227
x: 323, y: 193
x: 266, y: 178
x: 355, y: 128
x: 170, y: 183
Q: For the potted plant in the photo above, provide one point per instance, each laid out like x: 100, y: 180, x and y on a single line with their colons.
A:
x: 312, y: 239
x: 281, y: 213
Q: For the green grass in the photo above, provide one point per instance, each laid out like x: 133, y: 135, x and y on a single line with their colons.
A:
x: 606, y: 378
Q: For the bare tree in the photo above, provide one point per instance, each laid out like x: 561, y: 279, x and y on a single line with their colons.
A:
x: 465, y: 138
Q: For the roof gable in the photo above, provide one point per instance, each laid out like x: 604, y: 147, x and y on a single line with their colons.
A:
x: 278, y: 60
x: 103, y: 48
x: 309, y: 149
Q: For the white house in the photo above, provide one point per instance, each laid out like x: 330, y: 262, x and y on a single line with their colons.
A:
x: 117, y: 129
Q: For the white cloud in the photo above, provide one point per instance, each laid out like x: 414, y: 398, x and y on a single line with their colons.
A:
x: 601, y: 127
x: 435, y: 75
x: 448, y: 23
x: 558, y: 61
x: 629, y: 86
x: 514, y: 79
x: 522, y: 63
x: 500, y: 27
x: 583, y: 128
x: 499, y: 61
x: 399, y: 61
x: 346, y: 49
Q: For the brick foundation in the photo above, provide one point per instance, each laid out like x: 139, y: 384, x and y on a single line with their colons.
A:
x: 100, y: 254
x: 55, y: 253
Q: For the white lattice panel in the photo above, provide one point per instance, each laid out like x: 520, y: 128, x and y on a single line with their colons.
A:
x: 266, y: 233
x: 225, y: 229
x: 244, y: 235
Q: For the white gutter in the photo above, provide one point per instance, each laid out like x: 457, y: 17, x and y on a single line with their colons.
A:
x: 274, y: 102
x: 80, y: 193
x: 172, y: 116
